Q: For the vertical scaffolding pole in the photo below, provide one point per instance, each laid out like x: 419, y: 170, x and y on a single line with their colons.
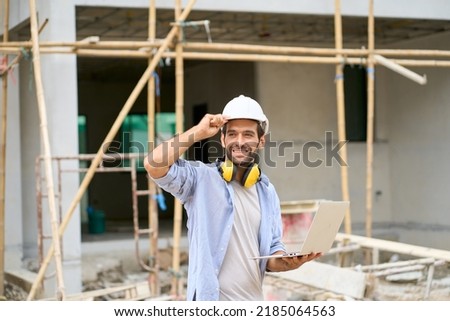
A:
x: 4, y: 114
x: 370, y: 117
x: 106, y: 142
x: 341, y: 112
x: 152, y: 207
x: 47, y: 153
x: 179, y: 104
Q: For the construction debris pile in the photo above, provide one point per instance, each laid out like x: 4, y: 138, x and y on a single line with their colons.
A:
x: 14, y: 293
x: 407, y: 286
x: 112, y: 277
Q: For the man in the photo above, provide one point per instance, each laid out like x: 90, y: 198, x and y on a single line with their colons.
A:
x: 233, y: 210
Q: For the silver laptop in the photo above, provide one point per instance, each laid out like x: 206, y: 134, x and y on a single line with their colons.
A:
x: 322, y: 231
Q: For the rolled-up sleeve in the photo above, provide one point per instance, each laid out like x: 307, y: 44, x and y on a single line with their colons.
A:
x: 179, y: 180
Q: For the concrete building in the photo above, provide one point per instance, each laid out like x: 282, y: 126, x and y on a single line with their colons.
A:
x: 412, y: 128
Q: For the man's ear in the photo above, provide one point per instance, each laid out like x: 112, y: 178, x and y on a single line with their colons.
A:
x: 262, y: 142
x: 222, y: 139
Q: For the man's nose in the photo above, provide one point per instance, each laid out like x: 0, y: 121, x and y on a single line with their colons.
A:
x: 240, y: 139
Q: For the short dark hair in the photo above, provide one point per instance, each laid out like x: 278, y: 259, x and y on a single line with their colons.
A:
x: 259, y: 129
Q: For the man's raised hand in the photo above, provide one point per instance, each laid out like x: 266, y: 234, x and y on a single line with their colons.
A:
x: 209, y: 126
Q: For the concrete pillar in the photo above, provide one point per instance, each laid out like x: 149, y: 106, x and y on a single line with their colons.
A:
x: 13, y: 185
x: 59, y: 76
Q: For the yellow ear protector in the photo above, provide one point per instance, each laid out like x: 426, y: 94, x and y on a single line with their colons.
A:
x: 250, y: 177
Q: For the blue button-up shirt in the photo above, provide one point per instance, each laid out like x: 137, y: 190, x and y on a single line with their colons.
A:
x: 208, y: 200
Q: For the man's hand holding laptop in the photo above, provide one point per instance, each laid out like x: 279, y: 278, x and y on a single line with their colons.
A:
x: 289, y: 261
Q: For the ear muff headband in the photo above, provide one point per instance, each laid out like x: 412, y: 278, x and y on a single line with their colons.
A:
x: 228, y: 170
x: 249, y: 178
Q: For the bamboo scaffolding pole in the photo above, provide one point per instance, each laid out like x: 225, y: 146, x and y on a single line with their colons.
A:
x: 190, y: 46
x: 370, y: 125
x: 370, y: 120
x: 255, y: 58
x: 422, y: 80
x: 340, y: 103
x: 268, y: 49
x: 421, y: 63
x: 429, y: 280
x: 108, y: 139
x: 60, y: 292
x: 412, y: 53
x: 231, y: 57
x: 179, y: 105
x: 300, y: 59
x: 341, y: 113
x: 73, y: 45
x: 4, y: 117
x: 152, y: 206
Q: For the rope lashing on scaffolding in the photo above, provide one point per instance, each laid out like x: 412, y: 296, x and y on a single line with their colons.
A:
x: 7, y: 68
x: 157, y: 87
x: 370, y: 72
x: 161, y: 62
x: 151, y: 260
x: 339, y: 77
x: 161, y: 200
x: 176, y: 274
x: 27, y: 54
x: 208, y: 31
x: 3, y: 64
x: 195, y: 24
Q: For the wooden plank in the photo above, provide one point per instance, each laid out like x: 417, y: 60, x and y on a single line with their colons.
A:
x: 149, y: 297
x: 132, y: 292
x: 329, y: 277
x: 396, y: 247
x: 417, y: 267
x: 368, y: 268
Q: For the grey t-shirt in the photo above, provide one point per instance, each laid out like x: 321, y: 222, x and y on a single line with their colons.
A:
x: 240, y: 278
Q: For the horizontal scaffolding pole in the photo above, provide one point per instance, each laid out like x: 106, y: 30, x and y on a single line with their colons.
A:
x: 422, y: 80
x: 72, y: 46
x: 141, y: 54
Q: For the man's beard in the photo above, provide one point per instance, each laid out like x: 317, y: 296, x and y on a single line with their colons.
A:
x: 250, y: 156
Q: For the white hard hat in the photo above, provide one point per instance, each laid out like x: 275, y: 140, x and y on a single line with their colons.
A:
x: 243, y: 107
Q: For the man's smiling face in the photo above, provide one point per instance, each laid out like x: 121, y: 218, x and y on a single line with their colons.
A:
x: 241, y: 141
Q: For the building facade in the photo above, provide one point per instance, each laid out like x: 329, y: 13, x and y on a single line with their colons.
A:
x: 412, y: 122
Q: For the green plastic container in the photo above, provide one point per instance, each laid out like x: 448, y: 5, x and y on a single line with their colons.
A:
x: 96, y: 222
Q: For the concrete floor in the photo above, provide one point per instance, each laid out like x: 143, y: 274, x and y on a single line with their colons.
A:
x: 117, y: 245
